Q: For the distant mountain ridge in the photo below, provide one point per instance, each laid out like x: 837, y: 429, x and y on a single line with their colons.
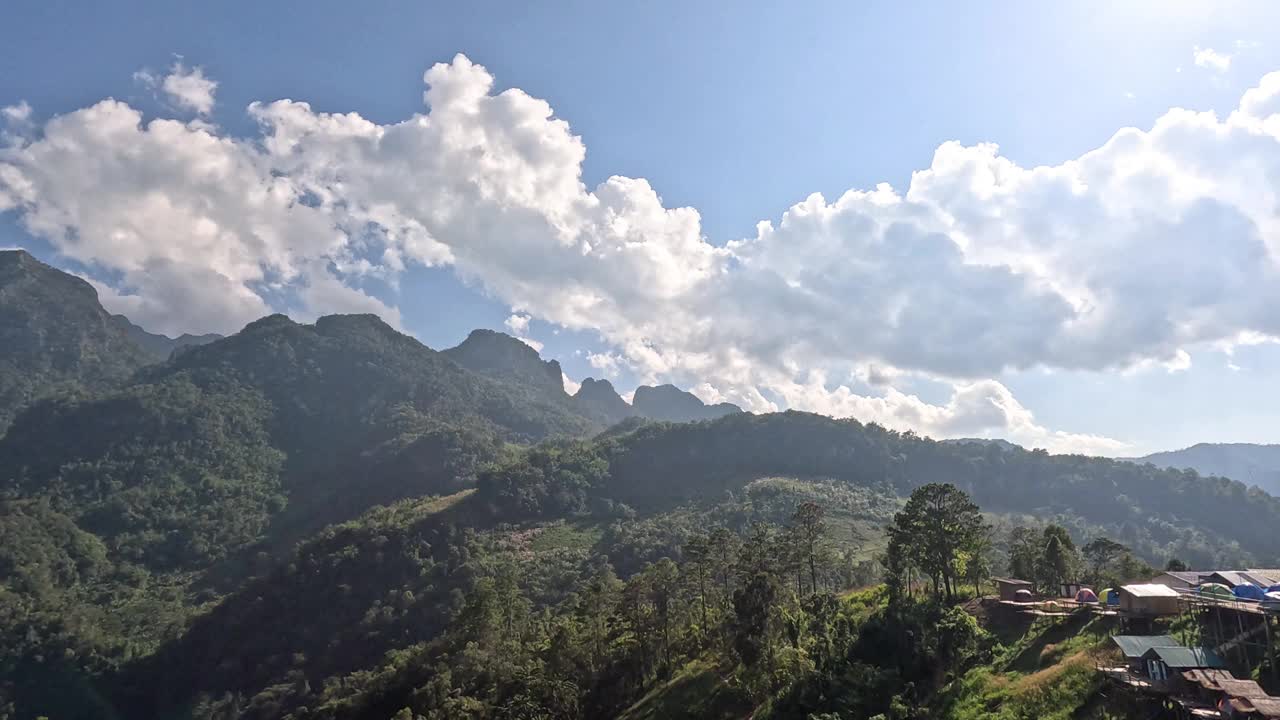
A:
x: 1251, y: 464
x: 161, y: 346
x: 671, y: 404
x: 503, y: 357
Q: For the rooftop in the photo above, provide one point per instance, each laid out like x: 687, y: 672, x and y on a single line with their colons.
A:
x: 1150, y: 590
x: 1135, y: 646
x: 1185, y: 658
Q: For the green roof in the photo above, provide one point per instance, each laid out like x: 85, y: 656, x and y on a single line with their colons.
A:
x: 1183, y: 658
x: 1137, y: 645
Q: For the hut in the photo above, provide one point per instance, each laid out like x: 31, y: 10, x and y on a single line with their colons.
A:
x: 1178, y: 580
x: 1135, y: 646
x: 1069, y: 589
x: 1009, y: 588
x: 1149, y: 600
x: 1167, y: 664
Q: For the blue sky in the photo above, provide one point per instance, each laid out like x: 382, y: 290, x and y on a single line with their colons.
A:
x: 739, y: 111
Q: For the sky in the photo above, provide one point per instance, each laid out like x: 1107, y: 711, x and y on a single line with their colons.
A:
x: 1056, y: 223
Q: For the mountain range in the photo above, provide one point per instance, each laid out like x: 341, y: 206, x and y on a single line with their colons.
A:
x: 1249, y: 463
x: 333, y: 520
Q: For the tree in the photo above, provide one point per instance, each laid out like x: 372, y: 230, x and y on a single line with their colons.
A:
x: 810, y: 536
x: 1024, y: 553
x: 978, y: 563
x: 697, y: 556
x: 1059, y: 561
x: 937, y: 529
x: 1175, y: 565
x: 754, y: 599
x: 1100, y: 553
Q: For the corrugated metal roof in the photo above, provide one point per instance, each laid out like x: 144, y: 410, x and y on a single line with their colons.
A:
x: 1137, y: 645
x: 1232, y: 577
x: 1190, y: 578
x: 1150, y: 590
x: 1242, y: 688
x: 1266, y: 707
x: 1185, y: 657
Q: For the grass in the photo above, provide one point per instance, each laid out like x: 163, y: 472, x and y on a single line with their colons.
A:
x: 1045, y: 672
x: 696, y: 692
x: 566, y: 536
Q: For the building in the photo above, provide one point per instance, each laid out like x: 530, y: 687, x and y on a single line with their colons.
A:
x: 1167, y: 664
x: 1135, y: 646
x: 1009, y: 588
x: 1177, y: 580
x: 1149, y: 600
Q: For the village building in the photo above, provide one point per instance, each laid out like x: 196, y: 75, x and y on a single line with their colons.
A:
x: 1149, y: 600
x: 1165, y: 665
x: 1009, y: 588
x: 1133, y: 647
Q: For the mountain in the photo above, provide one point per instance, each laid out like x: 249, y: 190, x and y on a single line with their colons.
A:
x: 986, y: 442
x: 421, y: 596
x: 335, y: 521
x: 54, y: 336
x: 598, y: 399
x: 502, y: 357
x: 669, y: 403
x: 160, y: 346
x: 1248, y: 463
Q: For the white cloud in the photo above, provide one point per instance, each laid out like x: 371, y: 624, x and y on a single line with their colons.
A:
x: 1158, y: 241
x: 517, y: 324
x: 607, y: 363
x: 187, y: 88
x: 571, y: 386
x: 1211, y: 59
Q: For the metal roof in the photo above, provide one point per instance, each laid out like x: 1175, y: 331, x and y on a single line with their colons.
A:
x: 1012, y: 581
x: 1232, y: 577
x: 1185, y: 657
x: 1137, y: 645
x: 1242, y: 688
x: 1190, y: 578
x: 1266, y: 707
x: 1150, y: 590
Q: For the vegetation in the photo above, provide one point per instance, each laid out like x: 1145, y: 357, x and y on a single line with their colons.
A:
x: 334, y: 521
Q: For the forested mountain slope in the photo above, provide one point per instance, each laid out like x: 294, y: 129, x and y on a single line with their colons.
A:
x: 1249, y: 463
x: 331, y: 520
x: 54, y: 336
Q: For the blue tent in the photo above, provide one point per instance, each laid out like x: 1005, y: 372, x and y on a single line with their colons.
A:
x: 1250, y: 592
x: 1274, y: 588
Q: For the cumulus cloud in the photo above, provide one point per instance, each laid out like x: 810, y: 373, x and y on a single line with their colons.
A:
x: 1211, y: 59
x: 187, y: 88
x: 1160, y: 240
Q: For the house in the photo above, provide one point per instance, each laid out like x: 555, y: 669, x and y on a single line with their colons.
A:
x: 1009, y: 588
x: 1177, y: 580
x: 1069, y: 589
x: 1135, y: 646
x: 1235, y: 578
x: 1167, y: 664
x: 1149, y: 600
